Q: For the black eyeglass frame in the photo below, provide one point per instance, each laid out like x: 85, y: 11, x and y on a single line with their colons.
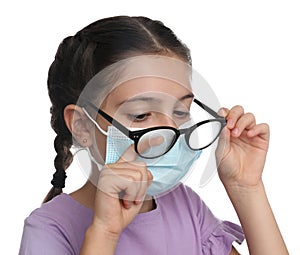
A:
x: 136, y: 135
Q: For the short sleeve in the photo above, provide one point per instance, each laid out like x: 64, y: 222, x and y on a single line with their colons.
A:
x: 217, y: 236
x: 42, y: 236
x: 219, y: 240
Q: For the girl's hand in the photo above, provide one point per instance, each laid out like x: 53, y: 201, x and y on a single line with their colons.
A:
x: 242, y: 148
x: 121, y: 191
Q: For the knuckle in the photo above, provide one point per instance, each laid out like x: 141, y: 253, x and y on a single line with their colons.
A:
x: 139, y: 175
x: 104, y: 180
x: 250, y: 115
x: 238, y: 108
x: 266, y: 126
x: 105, y: 170
x: 130, y: 178
x: 141, y: 163
x: 141, y: 167
x: 108, y: 167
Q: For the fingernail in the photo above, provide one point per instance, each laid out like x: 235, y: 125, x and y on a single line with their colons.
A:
x: 137, y: 202
x: 221, y: 112
x: 235, y: 131
x: 250, y: 132
x: 230, y: 123
x: 150, y: 176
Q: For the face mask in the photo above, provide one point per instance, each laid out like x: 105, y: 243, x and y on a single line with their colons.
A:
x: 167, y: 170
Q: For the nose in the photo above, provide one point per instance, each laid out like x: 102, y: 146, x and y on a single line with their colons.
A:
x: 165, y: 120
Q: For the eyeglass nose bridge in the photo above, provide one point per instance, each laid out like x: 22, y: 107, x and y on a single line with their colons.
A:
x: 187, y: 133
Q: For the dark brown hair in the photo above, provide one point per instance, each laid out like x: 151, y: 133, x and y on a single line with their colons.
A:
x: 83, y: 55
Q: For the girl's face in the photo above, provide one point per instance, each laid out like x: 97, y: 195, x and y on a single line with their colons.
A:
x: 145, y: 102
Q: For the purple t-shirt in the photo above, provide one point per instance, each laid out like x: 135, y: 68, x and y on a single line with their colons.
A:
x: 181, y: 224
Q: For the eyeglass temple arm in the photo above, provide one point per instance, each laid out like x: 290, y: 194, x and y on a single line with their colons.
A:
x: 111, y: 120
x: 208, y: 109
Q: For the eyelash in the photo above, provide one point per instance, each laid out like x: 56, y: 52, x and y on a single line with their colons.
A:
x: 144, y: 116
x: 138, y: 117
x: 182, y: 114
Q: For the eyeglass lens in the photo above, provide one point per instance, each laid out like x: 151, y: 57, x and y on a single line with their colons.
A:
x: 157, y: 142
x: 204, y: 135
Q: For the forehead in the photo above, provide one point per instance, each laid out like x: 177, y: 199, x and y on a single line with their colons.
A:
x: 148, y: 87
x: 140, y: 73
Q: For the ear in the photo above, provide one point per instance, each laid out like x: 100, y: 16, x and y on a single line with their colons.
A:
x: 78, y: 124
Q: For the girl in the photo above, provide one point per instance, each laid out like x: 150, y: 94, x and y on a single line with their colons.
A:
x: 135, y: 204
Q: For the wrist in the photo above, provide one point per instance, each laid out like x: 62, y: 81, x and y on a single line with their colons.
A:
x: 100, y: 231
x: 236, y: 190
x: 98, y: 241
x: 243, y: 185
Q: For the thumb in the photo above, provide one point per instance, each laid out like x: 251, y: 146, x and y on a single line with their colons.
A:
x: 223, y: 144
x: 224, y: 138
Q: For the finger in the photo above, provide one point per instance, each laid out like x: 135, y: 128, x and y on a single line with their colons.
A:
x: 223, y: 111
x: 114, y: 177
x: 129, y: 155
x: 246, y: 121
x: 112, y: 186
x: 141, y: 194
x: 133, y: 165
x: 135, y: 192
x: 223, y: 143
x: 233, y: 115
x: 139, y: 173
x: 127, y: 203
x: 129, y: 193
x: 125, y: 187
x: 141, y: 179
x: 129, y: 170
x: 150, y: 177
x: 143, y: 185
x: 261, y: 130
x: 140, y: 197
x: 135, y: 168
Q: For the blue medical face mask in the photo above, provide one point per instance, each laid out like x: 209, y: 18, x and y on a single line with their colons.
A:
x: 167, y: 170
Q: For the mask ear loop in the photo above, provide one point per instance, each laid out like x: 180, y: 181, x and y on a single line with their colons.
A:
x: 92, y: 120
x: 87, y: 148
x: 90, y: 156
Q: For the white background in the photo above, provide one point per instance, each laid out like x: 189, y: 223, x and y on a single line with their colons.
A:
x: 248, y: 51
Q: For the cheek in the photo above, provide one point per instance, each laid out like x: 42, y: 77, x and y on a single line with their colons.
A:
x: 100, y: 147
x: 100, y: 140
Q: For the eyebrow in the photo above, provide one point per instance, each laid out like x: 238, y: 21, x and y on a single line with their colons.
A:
x: 191, y: 95
x: 153, y: 99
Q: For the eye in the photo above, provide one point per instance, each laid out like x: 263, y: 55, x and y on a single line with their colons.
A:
x: 138, y: 117
x: 181, y: 114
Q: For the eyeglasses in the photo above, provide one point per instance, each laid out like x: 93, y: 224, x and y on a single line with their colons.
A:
x: 160, y: 139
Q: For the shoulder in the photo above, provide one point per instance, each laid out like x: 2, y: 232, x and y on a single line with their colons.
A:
x: 62, y: 213
x: 59, y: 223
x: 62, y: 209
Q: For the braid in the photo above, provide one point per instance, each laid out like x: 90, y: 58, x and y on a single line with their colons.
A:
x: 61, y: 162
x: 58, y: 87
